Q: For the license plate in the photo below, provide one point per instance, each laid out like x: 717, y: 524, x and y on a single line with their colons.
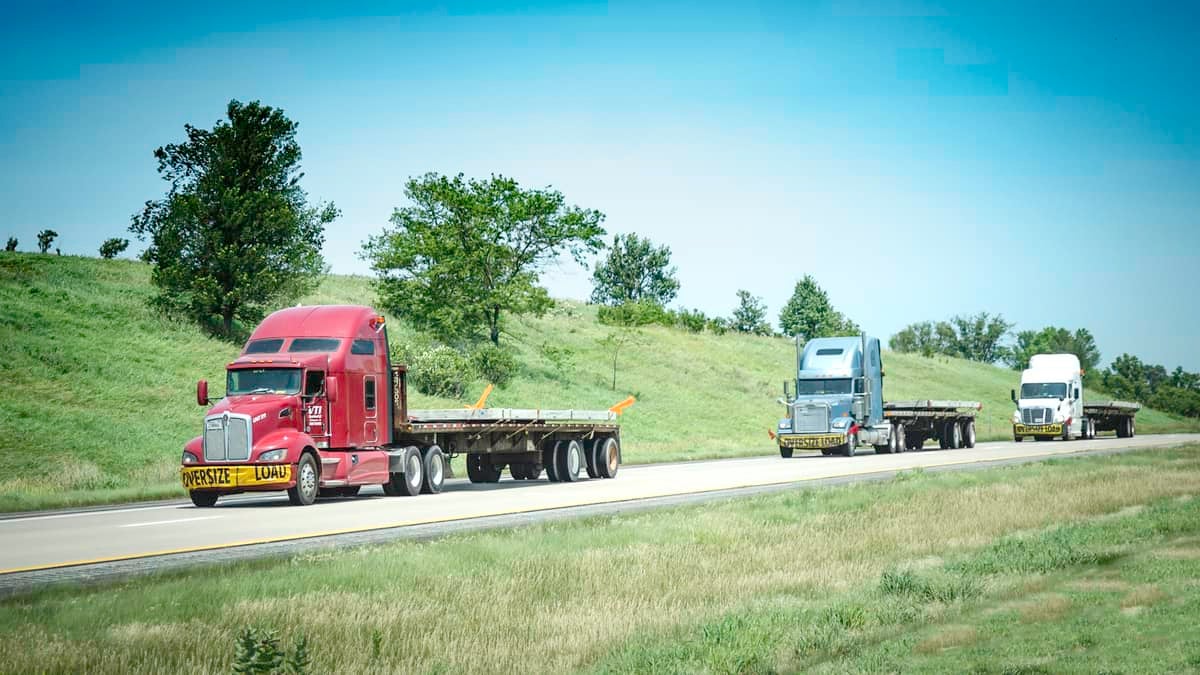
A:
x: 1038, y: 429
x: 221, y: 477
x: 812, y: 442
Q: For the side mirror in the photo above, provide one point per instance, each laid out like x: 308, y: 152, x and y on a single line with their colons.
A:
x: 1013, y: 394
x: 787, y: 390
x: 331, y: 389
x: 202, y: 392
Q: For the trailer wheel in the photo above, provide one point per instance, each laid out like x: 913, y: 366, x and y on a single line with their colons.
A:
x: 307, y: 480
x: 1123, y: 428
x: 1132, y: 427
x: 203, y: 499
x: 434, y: 469
x: 549, y: 461
x: 517, y: 470
x: 533, y: 471
x: 589, y: 457
x: 570, y: 460
x: 608, y: 458
x: 968, y: 434
x: 953, y: 434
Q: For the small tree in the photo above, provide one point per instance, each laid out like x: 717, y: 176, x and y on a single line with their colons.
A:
x: 46, y: 240
x: 634, y: 271
x: 235, y: 233
x: 11, y: 245
x: 113, y: 247
x: 750, y: 315
x: 980, y: 336
x: 466, y: 252
x: 615, y: 342
x: 809, y: 313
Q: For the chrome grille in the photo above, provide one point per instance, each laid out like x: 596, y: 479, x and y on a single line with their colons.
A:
x: 1037, y: 415
x: 810, y: 418
x: 227, y: 438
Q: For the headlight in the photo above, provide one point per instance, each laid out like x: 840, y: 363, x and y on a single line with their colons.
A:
x: 841, y: 422
x: 1016, y: 418
x: 785, y: 424
x: 189, y: 458
x: 273, y: 455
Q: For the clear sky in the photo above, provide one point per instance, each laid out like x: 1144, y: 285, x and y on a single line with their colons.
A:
x: 920, y: 159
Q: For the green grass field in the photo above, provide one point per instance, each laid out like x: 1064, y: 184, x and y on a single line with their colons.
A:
x: 1078, y: 565
x: 98, y: 391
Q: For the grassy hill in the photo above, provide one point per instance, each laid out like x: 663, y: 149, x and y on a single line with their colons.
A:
x: 96, y: 390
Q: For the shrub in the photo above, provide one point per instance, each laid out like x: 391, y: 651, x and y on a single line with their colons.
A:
x: 440, y: 371
x: 11, y: 245
x: 495, y: 364
x: 718, y: 325
x: 634, y: 314
x: 561, y: 359
x: 113, y: 247
x: 691, y: 320
x: 258, y: 651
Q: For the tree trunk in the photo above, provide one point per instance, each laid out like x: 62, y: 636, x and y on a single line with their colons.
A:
x: 495, y: 326
x: 227, y: 321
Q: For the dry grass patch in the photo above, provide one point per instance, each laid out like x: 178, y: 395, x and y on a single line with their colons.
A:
x: 1045, y: 608
x: 1142, y: 596
x: 948, y: 638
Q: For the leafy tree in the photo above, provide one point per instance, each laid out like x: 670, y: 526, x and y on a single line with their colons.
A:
x: 11, y: 245
x: 980, y: 336
x: 750, y: 315
x: 46, y: 240
x: 634, y: 271
x: 235, y: 233
x: 465, y: 252
x: 1053, y: 340
x: 926, y: 338
x: 113, y: 247
x: 810, y: 314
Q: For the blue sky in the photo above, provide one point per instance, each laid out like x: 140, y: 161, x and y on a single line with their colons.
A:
x: 920, y: 159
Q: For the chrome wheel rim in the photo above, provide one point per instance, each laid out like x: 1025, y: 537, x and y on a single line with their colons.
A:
x: 435, y: 473
x: 308, y: 478
x: 573, y: 458
x: 414, y: 469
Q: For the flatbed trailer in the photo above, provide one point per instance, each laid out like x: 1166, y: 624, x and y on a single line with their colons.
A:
x: 951, y: 423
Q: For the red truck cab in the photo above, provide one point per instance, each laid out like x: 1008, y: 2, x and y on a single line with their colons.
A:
x: 307, y: 408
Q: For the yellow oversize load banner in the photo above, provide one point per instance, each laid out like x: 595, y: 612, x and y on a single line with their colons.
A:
x: 1038, y: 429
x: 210, y: 477
x: 813, y: 442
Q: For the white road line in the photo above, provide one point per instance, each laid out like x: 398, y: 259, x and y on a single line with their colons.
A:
x: 169, y: 522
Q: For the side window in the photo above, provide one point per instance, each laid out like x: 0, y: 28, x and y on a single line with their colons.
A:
x: 314, y: 383
x: 363, y: 347
x: 369, y: 391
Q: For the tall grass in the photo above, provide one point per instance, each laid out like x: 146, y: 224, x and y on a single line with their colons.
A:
x: 97, y: 400
x: 778, y: 582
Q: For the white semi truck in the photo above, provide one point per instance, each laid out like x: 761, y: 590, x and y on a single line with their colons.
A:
x: 1050, y: 404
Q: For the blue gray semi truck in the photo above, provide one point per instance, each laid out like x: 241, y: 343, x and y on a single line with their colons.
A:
x: 836, y: 405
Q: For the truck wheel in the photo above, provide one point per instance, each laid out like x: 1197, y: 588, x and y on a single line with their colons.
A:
x: 307, y: 480
x: 570, y: 460
x: 1017, y: 439
x: 203, y: 499
x: 517, y: 470
x: 589, y: 458
x: 434, y: 469
x: 408, y: 484
x: 533, y: 471
x: 785, y: 453
x: 1066, y: 432
x: 608, y: 458
x: 1123, y: 428
x: 851, y: 446
x: 968, y: 434
x: 901, y: 441
x: 473, y: 471
x: 550, y: 460
x: 1132, y: 427
x: 953, y: 435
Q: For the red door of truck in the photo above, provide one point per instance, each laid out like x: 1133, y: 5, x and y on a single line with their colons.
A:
x: 316, y: 408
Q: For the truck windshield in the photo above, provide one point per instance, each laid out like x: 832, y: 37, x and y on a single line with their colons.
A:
x: 263, y: 381
x: 1044, y: 390
x: 822, y: 387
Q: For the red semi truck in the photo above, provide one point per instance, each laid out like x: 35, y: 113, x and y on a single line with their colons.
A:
x: 313, y: 406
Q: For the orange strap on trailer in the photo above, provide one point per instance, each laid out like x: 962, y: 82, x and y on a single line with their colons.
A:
x: 620, y: 407
x: 487, y: 391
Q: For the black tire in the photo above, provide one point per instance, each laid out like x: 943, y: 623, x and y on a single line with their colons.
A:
x: 408, y: 484
x: 785, y: 453
x: 533, y: 471
x: 826, y: 451
x: 608, y: 457
x: 901, y: 440
x: 851, y: 446
x: 589, y: 457
x: 550, y: 460
x: 1132, y: 427
x: 968, y: 434
x: 944, y: 436
x: 203, y: 498
x: 517, y: 470
x: 953, y: 436
x: 473, y: 472
x: 1066, y: 432
x: 569, y: 456
x: 434, y: 470
x: 308, y: 481
x: 1017, y: 439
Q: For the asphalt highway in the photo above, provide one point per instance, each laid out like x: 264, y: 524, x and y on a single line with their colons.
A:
x: 63, y: 541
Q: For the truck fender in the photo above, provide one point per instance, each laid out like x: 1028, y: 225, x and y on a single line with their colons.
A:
x: 294, y: 441
x: 196, y: 447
